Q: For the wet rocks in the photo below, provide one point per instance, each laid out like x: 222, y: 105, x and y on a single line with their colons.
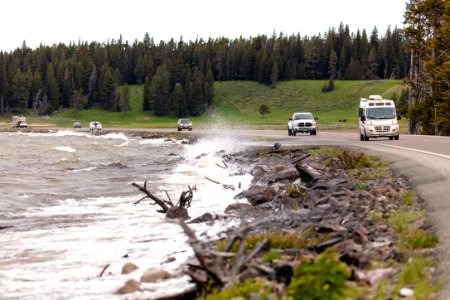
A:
x: 155, y: 275
x: 130, y: 286
x: 257, y: 195
x: 128, y: 268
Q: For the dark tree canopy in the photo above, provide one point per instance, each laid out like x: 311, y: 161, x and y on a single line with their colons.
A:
x: 48, y: 76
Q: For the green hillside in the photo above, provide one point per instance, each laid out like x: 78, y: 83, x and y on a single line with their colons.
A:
x: 237, y: 103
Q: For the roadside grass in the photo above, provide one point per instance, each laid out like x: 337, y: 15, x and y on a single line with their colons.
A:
x: 237, y: 104
x: 240, y: 100
x: 415, y: 272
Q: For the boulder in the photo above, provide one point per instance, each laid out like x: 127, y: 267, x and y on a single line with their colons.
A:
x: 259, y: 194
x: 177, y: 213
x: 236, y: 208
x: 128, y: 268
x: 130, y: 286
x: 286, y: 174
x: 155, y: 275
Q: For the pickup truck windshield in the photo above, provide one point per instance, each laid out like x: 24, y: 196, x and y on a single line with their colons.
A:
x: 380, y: 113
x: 303, y: 117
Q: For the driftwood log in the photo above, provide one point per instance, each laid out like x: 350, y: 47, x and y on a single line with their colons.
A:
x: 172, y: 211
x: 223, y: 268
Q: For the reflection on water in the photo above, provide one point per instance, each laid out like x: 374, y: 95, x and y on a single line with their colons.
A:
x: 69, y: 199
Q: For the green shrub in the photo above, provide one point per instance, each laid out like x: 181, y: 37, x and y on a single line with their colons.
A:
x: 354, y: 160
x: 416, y: 273
x: 271, y: 256
x: 407, y: 197
x: 242, y: 289
x: 419, y: 239
x: 275, y: 240
x: 323, y: 279
x: 404, y: 217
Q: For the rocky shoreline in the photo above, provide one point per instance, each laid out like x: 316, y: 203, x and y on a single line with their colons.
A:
x: 340, y: 215
x: 322, y: 208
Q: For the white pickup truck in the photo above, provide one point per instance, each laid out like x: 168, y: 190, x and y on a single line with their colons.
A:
x: 302, y: 122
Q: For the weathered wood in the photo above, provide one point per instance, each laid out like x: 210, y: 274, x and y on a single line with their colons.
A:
x: 163, y: 204
x: 172, y: 211
x: 225, y: 267
x: 212, y: 180
x: 103, y: 270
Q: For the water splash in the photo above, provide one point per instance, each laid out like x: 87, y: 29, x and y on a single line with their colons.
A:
x: 65, y: 149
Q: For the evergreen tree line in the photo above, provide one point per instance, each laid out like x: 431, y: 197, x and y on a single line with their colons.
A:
x: 179, y: 77
x: 428, y: 42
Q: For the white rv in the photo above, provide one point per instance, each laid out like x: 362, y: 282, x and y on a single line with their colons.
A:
x: 377, y: 118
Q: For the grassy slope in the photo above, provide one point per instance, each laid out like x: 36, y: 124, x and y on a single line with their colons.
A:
x: 240, y: 100
x: 237, y: 102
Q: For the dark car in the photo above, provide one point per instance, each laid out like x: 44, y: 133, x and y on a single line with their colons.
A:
x: 184, y: 124
x: 76, y: 125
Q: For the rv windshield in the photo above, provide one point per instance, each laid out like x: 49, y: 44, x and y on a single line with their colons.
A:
x: 381, y: 113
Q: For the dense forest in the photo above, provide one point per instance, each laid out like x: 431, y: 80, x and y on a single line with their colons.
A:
x: 179, y: 76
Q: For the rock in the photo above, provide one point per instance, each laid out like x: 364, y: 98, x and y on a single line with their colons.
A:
x: 337, y: 181
x: 287, y: 174
x: 203, y: 218
x: 307, y: 173
x: 169, y: 260
x: 177, y: 213
x: 128, y: 268
x: 279, y: 168
x: 372, y: 277
x: 283, y: 274
x: 155, y: 275
x: 259, y: 194
x: 406, y: 292
x: 130, y: 286
x: 286, y: 202
x: 237, y: 208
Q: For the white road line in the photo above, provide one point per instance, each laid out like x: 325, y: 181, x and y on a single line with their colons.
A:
x: 416, y: 150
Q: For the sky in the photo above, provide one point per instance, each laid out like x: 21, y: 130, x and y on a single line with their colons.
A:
x: 49, y: 22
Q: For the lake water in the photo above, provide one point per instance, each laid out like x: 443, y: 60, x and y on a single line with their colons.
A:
x: 69, y: 199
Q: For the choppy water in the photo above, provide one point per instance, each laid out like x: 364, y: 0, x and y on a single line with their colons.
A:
x: 68, y: 197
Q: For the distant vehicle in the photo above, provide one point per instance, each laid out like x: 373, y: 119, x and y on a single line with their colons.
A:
x: 184, y: 124
x: 76, y: 125
x: 19, y: 122
x: 302, y: 122
x: 95, y: 125
x: 377, y: 118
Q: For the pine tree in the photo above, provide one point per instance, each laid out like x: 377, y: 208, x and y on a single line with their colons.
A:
x: 209, y: 87
x: 20, y: 91
x: 179, y: 101
x: 78, y: 101
x: 428, y: 34
x: 159, y: 90
x: 146, y: 95
x: 52, y: 90
x: 274, y: 75
x: 107, y: 88
x: 198, y: 106
x: 124, y: 99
